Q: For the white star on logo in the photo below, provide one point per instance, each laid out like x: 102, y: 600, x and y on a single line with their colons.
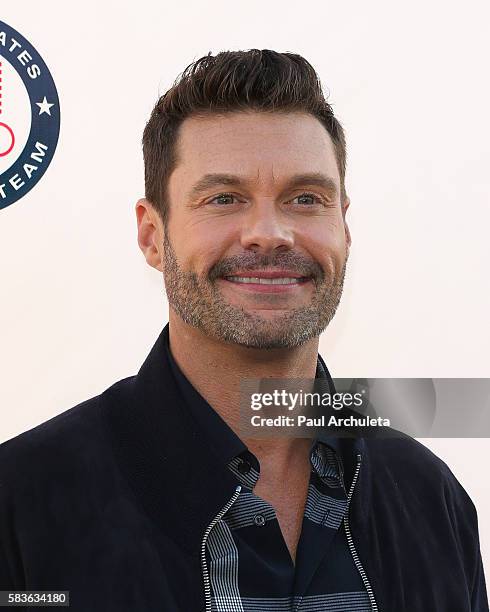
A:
x: 44, y: 106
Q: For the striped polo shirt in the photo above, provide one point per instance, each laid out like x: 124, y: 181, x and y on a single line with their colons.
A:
x: 249, y: 566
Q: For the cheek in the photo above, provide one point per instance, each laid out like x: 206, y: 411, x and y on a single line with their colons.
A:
x: 326, y: 243
x: 200, y: 248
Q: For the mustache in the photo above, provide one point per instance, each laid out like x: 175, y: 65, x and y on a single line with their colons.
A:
x: 293, y: 262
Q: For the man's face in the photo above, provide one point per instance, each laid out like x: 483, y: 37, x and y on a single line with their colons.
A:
x: 256, y: 243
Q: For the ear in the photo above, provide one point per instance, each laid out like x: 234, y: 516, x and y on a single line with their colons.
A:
x: 345, y: 206
x: 150, y: 233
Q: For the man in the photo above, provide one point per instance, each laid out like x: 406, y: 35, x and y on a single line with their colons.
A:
x: 147, y: 497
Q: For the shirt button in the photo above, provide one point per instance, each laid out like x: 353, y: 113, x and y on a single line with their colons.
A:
x: 259, y: 520
x: 244, y: 467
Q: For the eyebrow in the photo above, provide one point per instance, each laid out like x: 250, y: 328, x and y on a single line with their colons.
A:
x: 208, y: 181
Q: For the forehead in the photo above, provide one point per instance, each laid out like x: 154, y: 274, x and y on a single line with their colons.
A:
x: 254, y: 144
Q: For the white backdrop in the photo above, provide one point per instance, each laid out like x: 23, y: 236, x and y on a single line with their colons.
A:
x: 79, y: 307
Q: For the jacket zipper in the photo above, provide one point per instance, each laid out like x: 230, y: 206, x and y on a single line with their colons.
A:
x: 350, y: 542
x: 205, y: 573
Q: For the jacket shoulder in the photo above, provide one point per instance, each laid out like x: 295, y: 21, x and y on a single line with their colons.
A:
x: 64, y: 439
x: 408, y: 463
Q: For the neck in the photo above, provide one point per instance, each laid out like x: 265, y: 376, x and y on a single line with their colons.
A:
x: 215, y: 368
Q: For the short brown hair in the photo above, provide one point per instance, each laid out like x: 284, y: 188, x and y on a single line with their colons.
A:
x: 260, y: 80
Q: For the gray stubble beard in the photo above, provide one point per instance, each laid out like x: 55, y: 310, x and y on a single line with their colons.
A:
x: 202, y: 306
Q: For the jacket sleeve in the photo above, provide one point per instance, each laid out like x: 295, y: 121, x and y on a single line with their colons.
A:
x: 469, y: 538
x: 6, y: 581
x: 464, y: 518
x: 479, y: 599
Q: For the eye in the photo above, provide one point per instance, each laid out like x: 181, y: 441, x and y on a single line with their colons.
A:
x: 223, y: 199
x: 308, y: 199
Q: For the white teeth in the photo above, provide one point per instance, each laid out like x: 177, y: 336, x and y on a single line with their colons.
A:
x: 264, y: 281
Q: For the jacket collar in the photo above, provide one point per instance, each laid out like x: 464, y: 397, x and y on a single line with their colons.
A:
x: 222, y: 440
x: 167, y: 461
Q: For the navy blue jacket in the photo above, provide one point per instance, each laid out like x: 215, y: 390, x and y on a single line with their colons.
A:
x: 91, y: 502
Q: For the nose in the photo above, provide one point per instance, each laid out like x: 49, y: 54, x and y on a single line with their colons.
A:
x: 264, y: 230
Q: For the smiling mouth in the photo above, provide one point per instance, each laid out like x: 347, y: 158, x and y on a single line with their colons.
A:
x: 256, y: 280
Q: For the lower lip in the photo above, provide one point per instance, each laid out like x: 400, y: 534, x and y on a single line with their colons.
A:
x: 269, y: 288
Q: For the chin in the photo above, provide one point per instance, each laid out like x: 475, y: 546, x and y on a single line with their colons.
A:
x: 265, y: 334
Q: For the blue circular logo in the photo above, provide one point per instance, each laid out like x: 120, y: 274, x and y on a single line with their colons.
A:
x: 29, y: 116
